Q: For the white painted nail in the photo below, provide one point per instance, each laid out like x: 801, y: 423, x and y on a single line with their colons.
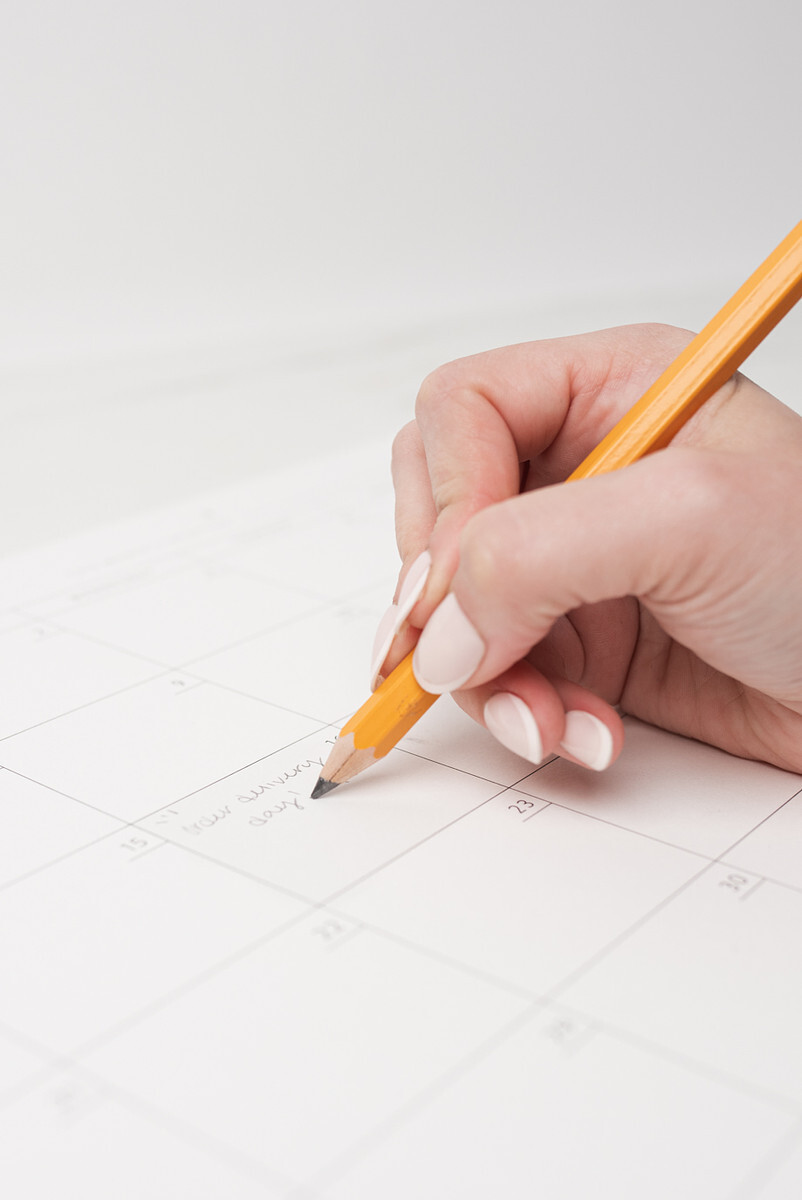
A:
x: 587, y: 739
x: 382, y: 643
x: 414, y: 583
x: 396, y: 614
x: 511, y: 721
x: 449, y: 649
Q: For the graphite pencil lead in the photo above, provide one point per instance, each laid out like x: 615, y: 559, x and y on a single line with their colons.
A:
x: 322, y: 787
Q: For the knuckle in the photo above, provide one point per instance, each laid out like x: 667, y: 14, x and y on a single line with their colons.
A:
x: 704, y: 499
x: 437, y: 389
x: 662, y: 331
x: 662, y: 340
x: 706, y: 483
x: 492, y: 582
x: 482, y: 552
x: 405, y: 443
x: 449, y: 493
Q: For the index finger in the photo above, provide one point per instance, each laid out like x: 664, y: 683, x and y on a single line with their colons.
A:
x: 544, y: 403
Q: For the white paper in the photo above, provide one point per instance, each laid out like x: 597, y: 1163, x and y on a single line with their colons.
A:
x: 458, y: 976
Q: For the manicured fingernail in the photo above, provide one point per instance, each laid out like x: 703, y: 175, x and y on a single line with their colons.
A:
x: 396, y: 614
x: 414, y: 583
x: 382, y: 643
x: 449, y: 650
x: 511, y: 721
x: 587, y: 739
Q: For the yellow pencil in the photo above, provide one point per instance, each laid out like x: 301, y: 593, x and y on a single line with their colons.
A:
x: 699, y: 371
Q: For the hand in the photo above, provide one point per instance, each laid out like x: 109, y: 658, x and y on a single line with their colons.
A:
x: 671, y: 589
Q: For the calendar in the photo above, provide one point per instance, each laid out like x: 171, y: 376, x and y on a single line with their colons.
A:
x: 458, y: 976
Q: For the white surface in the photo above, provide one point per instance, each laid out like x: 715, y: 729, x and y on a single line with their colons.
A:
x: 237, y: 236
x: 173, y: 174
x: 108, y: 436
x: 456, y: 976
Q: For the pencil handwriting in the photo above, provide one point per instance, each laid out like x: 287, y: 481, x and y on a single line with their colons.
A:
x: 275, y: 810
x: 282, y: 779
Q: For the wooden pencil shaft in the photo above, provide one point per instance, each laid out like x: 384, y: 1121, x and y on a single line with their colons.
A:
x: 393, y: 709
x: 706, y: 363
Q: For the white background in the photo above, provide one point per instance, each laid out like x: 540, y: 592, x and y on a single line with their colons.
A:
x: 193, y: 192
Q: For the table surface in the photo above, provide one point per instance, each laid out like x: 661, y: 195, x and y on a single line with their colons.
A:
x: 90, y: 441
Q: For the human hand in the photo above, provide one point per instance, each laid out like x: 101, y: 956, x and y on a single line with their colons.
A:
x: 671, y: 589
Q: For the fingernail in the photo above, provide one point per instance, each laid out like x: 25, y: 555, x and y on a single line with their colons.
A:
x: 396, y: 614
x: 511, y: 721
x: 587, y: 739
x: 382, y: 643
x: 414, y: 583
x: 449, y: 650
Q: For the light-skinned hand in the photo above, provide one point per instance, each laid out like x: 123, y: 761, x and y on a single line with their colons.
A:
x: 671, y: 589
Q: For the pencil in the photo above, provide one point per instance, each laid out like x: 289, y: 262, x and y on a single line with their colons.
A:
x: 704, y: 365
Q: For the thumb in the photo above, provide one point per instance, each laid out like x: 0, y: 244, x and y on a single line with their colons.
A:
x: 671, y: 530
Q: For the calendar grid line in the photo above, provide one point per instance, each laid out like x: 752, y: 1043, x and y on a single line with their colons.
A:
x: 313, y: 994
x: 752, y: 1186
x: 193, y: 1135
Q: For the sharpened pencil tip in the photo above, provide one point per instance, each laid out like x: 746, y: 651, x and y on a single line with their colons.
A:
x: 322, y: 787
